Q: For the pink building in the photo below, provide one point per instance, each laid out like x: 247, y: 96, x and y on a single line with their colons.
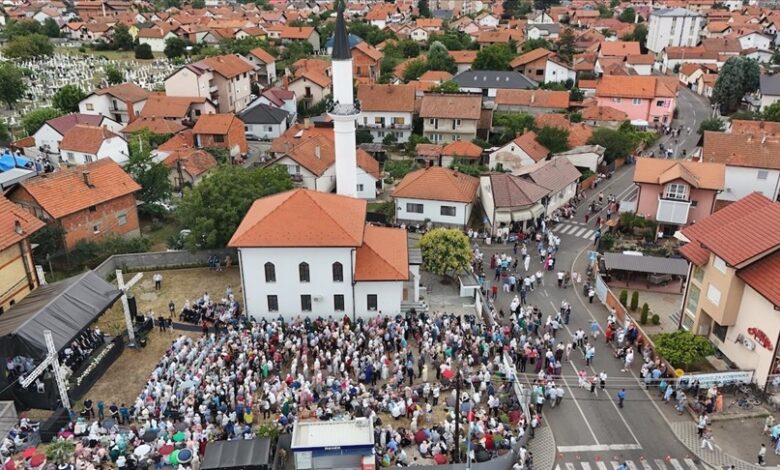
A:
x: 649, y: 99
x: 677, y: 193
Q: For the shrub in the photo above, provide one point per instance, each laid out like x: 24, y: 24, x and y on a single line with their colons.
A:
x: 656, y: 319
x: 681, y: 348
x: 645, y: 313
x: 607, y: 241
x: 623, y: 298
x: 634, y: 300
x: 143, y: 52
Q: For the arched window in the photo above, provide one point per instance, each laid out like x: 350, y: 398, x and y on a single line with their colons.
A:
x: 270, y: 272
x: 303, y: 272
x: 338, y: 272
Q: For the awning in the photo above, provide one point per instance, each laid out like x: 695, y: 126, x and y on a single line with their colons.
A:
x: 244, y: 454
x: 65, y: 308
x: 646, y: 264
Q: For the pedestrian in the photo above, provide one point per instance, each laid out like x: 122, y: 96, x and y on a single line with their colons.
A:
x: 706, y: 440
x: 591, y: 294
x: 702, y: 424
x: 629, y: 359
x: 621, y: 395
x: 157, y: 281
x: 594, y: 329
x: 171, y: 307
x: 603, y: 380
x: 539, y: 402
x: 762, y: 454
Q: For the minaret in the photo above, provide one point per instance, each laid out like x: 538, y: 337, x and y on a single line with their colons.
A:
x: 344, y: 111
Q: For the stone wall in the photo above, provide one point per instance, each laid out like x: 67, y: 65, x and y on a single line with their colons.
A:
x: 160, y: 260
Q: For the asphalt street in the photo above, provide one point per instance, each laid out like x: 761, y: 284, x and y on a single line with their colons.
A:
x: 692, y: 111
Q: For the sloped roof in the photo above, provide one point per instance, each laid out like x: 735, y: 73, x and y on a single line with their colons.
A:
x: 762, y: 276
x: 217, y: 124
x: 64, y: 123
x: 262, y: 55
x: 555, y: 174
x: 155, y: 125
x: 744, y: 150
x: 603, y: 113
x: 451, y: 106
x: 85, y: 139
x: 172, y: 107
x: 227, y: 65
x: 438, y: 184
x: 530, y: 56
x: 10, y: 213
x: 263, y: 114
x: 698, y: 174
x: 376, y: 97
x: 125, y: 91
x: 514, y: 191
x: 330, y: 220
x: 194, y: 161
x: 630, y: 87
x: 620, y: 48
x: 462, y: 149
x: 383, y: 256
x: 533, y: 98
x: 527, y: 142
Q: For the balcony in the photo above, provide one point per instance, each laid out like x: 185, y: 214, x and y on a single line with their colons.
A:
x: 372, y: 125
x: 116, y: 109
x: 672, y: 211
x: 213, y: 89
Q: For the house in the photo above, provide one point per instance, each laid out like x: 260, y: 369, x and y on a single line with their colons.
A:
x: 460, y: 150
x: 532, y: 101
x: 488, y: 82
x: 523, y: 151
x: 300, y: 33
x: 673, y: 27
x: 559, y: 177
x: 751, y: 163
x: 49, y: 136
x: 558, y: 71
x: 429, y: 154
x: 769, y: 90
x: 281, y: 99
x: 677, y: 193
x: 463, y: 59
x: 122, y: 103
x: 603, y: 116
x: 450, y: 117
x: 311, y: 87
x: 223, y: 79
x: 265, y: 65
x: 731, y: 295
x: 154, y: 125
x: 549, y: 31
x: 755, y: 39
x: 366, y: 62
x: 586, y: 157
x: 641, y: 64
x: 646, y: 99
x: 221, y: 131
x: 180, y: 109
x: 579, y: 133
x: 100, y: 203
x: 83, y: 144
x: 264, y: 122
x: 387, y: 109
x: 438, y: 195
x: 672, y: 57
x: 330, y: 262
x: 511, y: 203
x: 187, y: 166
x: 17, y: 273
x: 155, y: 37
x: 618, y: 49
x: 533, y: 63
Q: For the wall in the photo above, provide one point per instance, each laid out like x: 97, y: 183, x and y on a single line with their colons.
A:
x: 368, y: 119
x: 686, y: 31
x: 558, y: 73
x: 293, y: 168
x: 389, y: 295
x: 159, y: 260
x: 79, y: 226
x: 364, y: 66
x: 15, y: 282
x: 741, y: 181
x: 726, y: 311
x: 187, y: 83
x: 662, y: 113
x: 317, y: 92
x: 448, y: 131
x: 534, y: 70
x: 562, y: 197
x: 588, y: 160
x: 233, y: 94
x: 46, y: 135
x: 157, y: 44
x: 114, y: 148
x: 101, y: 105
x: 369, y: 185
x: 432, y: 211
x: 634, y: 111
x: 266, y: 131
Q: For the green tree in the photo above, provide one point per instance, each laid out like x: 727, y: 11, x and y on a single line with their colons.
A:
x: 566, y: 46
x: 424, y: 9
x: 363, y: 136
x: 175, y: 47
x: 446, y: 87
x: 198, y: 4
x: 50, y: 241
x: 390, y: 139
x: 493, y: 57
x: 712, y: 124
x: 28, y: 47
x: 555, y: 139
x: 538, y: 43
x: 60, y: 452
x: 409, y: 48
x: 12, y: 85
x: 771, y: 112
x: 440, y: 59
x: 512, y: 125
x: 616, y: 143
x: 682, y: 348
x: 150, y: 175
x: 16, y: 28
x: 51, y: 28
x: 645, y: 314
x: 623, y: 298
x: 5, y: 134
x: 628, y: 15
x: 414, y: 69
x: 122, y: 39
x: 214, y: 208
x: 738, y: 76
x: 453, y: 40
x: 113, y: 75
x: 634, y: 300
x: 36, y: 118
x: 445, y: 251
x: 242, y: 46
x: 143, y: 52
x: 67, y: 98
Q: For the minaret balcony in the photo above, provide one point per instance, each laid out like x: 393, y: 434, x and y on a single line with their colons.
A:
x: 344, y: 109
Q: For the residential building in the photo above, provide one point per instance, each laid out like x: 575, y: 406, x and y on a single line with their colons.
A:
x: 532, y: 101
x: 460, y: 151
x: 265, y: 65
x: 155, y: 37
x: 675, y: 27
x: 100, y: 201
x: 769, y: 90
x: 387, y: 109
x: 463, y: 59
x: 281, y: 99
x: 311, y: 87
x: 644, y: 99
x: 154, y: 125
x: 586, y: 157
x: 224, y: 79
x: 122, y: 103
x: 676, y: 193
x: 449, y: 117
x: 224, y: 131
x: 17, y: 268
x: 329, y: 262
x: 731, y: 296
x: 559, y: 177
x: 488, y: 82
x: 618, y: 49
x: 49, y: 136
x: 532, y: 64
x: 548, y: 31
x: 366, y: 62
x: 83, y: 144
x: 263, y: 122
x: 187, y: 166
x: 558, y: 71
x: 511, y: 203
x: 524, y: 150
x: 437, y: 195
x: 181, y: 109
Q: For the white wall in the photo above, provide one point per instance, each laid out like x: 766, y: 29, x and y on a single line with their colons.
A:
x: 266, y: 131
x: 114, y: 148
x: 369, y: 185
x: 589, y: 160
x: 686, y: 31
x: 755, y: 40
x: 561, y: 197
x: 157, y: 44
x: 557, y: 73
x: 46, y: 135
x: 101, y: 105
x: 511, y: 148
x: 389, y: 295
x: 432, y: 211
x: 742, y: 181
x: 368, y: 118
x: 642, y: 69
x: 186, y: 83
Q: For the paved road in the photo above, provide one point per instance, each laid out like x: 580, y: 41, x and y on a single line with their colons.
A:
x: 693, y: 109
x: 590, y: 430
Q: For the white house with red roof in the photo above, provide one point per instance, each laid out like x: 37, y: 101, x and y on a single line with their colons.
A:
x: 438, y: 195
x: 51, y: 133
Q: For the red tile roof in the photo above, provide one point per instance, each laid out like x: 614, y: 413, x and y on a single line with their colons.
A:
x: 450, y: 106
x: 747, y: 150
x: 438, y: 184
x: 193, y: 161
x: 216, y: 124
x: 462, y: 149
x: 383, y: 256
x: 762, y: 276
x: 527, y: 142
x: 155, y: 125
x: 85, y: 139
x: 10, y: 213
x: 125, y: 92
x: 64, y: 123
x: 533, y: 98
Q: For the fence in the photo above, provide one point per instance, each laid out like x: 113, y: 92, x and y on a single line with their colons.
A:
x: 160, y: 260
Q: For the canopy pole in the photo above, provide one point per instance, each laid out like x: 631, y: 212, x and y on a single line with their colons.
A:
x: 120, y: 281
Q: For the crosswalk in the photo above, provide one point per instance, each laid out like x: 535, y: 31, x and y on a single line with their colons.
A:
x: 574, y: 229
x: 641, y: 464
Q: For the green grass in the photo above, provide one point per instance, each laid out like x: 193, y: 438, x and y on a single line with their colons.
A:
x: 159, y: 233
x: 112, y: 55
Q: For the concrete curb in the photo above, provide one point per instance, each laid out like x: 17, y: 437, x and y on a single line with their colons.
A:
x: 543, y: 447
x: 687, y: 434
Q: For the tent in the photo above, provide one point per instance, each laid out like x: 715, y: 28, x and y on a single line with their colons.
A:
x: 9, y: 161
x: 65, y: 308
x: 241, y: 454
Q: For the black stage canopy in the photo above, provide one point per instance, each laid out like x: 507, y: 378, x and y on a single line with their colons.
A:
x: 240, y: 454
x: 646, y: 264
x: 65, y: 308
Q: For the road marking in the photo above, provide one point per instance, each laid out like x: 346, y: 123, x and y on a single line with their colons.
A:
x: 631, y: 465
x: 598, y: 448
x: 660, y: 464
x: 690, y: 463
x: 566, y: 228
x: 589, y: 234
x: 615, y: 464
x: 570, y: 466
x: 580, y: 231
x: 647, y: 466
x: 585, y: 465
x: 676, y: 464
x: 601, y: 465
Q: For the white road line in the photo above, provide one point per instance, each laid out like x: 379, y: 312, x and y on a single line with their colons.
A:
x: 570, y: 466
x: 585, y: 465
x: 598, y: 448
x: 631, y: 465
x: 691, y: 464
x: 558, y: 467
x: 566, y: 228
x: 615, y: 464
x: 601, y: 465
x: 676, y: 464
x: 660, y: 464
x: 589, y: 234
x: 646, y: 465
x: 580, y: 232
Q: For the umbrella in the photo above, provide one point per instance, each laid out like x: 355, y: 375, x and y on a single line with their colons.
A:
x: 179, y: 436
x: 440, y: 459
x: 420, y: 436
x: 448, y: 374
x: 37, y: 460
x: 185, y: 456
x: 142, y: 450
x: 173, y: 459
x: 150, y: 435
x: 166, y: 449
x: 65, y: 434
x: 29, y: 452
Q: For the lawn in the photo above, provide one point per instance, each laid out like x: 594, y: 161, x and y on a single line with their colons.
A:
x: 158, y: 233
x: 112, y: 55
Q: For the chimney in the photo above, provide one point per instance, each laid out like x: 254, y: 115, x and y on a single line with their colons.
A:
x: 306, y: 123
x: 763, y: 138
x: 87, y: 179
x: 317, y: 151
x: 533, y: 98
x: 18, y: 227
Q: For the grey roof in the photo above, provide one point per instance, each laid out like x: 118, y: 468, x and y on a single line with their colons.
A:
x: 341, y: 49
x: 494, y: 79
x: 263, y: 114
x: 674, y: 12
x: 549, y: 27
x: 646, y: 264
x: 770, y: 85
x: 584, y: 149
x: 555, y: 174
x: 443, y: 14
x: 238, y: 454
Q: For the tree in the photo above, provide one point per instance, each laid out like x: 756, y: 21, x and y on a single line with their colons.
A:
x: 16, y: 28
x: 36, y: 118
x: 538, y: 43
x: 623, y: 298
x: 198, y: 4
x: 150, y: 175
x: 175, y: 47
x: 445, y: 251
x: 605, y: 11
x: 424, y: 9
x: 214, y: 208
x: 493, y: 57
x: 616, y: 143
x: 51, y: 28
x: 242, y: 46
x: 363, y: 136
x: 513, y: 124
x: 61, y: 451
x: 113, y: 75
x: 122, y: 39
x: 771, y: 112
x: 712, y: 124
x: 28, y: 47
x: 49, y: 240
x: 414, y: 69
x: 628, y: 15
x: 565, y: 45
x: 738, y: 76
x: 12, y: 85
x: 440, y: 59
x: 67, y: 98
x: 409, y: 47
x: 555, y: 139
x: 682, y: 348
x: 634, y: 300
x: 143, y: 52
x: 5, y: 134
x: 390, y: 139
x: 446, y: 87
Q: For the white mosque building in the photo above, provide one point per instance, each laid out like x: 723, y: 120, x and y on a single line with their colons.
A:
x: 309, y: 253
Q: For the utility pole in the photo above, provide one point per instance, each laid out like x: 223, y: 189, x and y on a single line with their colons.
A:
x: 458, y: 382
